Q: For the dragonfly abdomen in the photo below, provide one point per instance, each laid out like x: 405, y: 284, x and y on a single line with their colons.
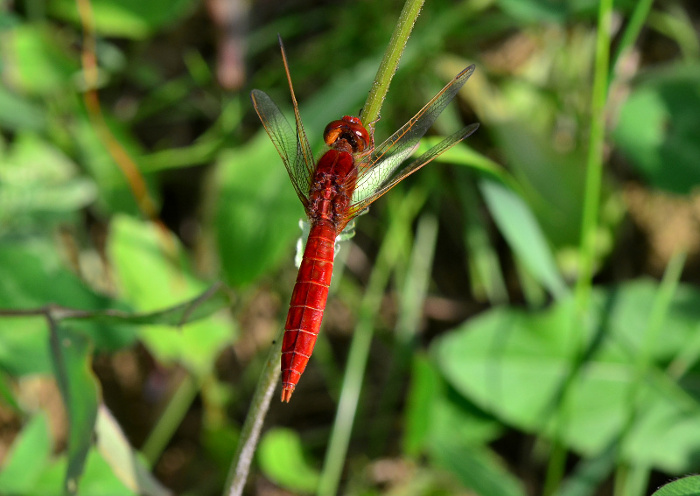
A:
x: 307, y: 304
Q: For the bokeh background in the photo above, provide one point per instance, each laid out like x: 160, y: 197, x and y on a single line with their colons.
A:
x: 497, y: 355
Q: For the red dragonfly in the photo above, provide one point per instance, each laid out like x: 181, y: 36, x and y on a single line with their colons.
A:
x: 342, y: 184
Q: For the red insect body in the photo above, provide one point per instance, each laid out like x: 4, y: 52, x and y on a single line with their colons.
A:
x: 333, y: 184
x: 344, y: 182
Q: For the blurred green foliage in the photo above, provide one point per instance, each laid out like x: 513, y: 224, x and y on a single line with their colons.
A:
x: 485, y: 374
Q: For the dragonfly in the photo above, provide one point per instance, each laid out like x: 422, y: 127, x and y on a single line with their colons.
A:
x: 348, y: 177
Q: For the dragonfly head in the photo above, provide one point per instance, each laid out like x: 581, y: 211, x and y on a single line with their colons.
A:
x: 348, y: 133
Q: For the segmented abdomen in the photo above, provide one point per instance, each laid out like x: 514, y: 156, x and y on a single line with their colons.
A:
x: 307, y: 304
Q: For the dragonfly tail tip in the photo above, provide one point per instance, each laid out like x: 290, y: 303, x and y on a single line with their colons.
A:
x: 287, y: 394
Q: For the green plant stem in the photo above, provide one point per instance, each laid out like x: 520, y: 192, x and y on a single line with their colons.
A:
x: 411, y: 300
x: 594, y: 165
x: 359, y: 348
x: 631, y: 33
x: 170, y: 419
x: 240, y: 465
x: 390, y: 61
x: 589, y: 228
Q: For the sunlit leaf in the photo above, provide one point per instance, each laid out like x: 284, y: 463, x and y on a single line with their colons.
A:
x: 524, y: 235
x: 154, y: 275
x: 514, y: 363
x: 28, y: 457
x: 38, y: 59
x: 686, y: 486
x: 128, y: 18
x: 122, y: 460
x: 658, y: 129
x: 281, y: 458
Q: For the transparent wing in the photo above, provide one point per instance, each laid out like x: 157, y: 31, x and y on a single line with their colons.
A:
x: 289, y: 145
x: 381, y: 171
x: 293, y: 147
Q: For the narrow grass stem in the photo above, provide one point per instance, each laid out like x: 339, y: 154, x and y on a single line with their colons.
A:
x: 359, y: 348
x: 240, y: 465
x: 594, y: 165
x: 589, y: 228
x: 170, y: 419
x: 390, y: 61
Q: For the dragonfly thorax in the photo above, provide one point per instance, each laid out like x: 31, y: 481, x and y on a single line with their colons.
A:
x: 332, y: 187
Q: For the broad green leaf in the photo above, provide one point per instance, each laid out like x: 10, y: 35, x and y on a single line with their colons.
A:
x: 154, y: 275
x: 28, y: 457
x: 281, y: 458
x: 101, y: 479
x: 658, y: 129
x: 476, y: 467
x: 127, y: 18
x: 686, y: 486
x: 522, y: 231
x: 20, y: 113
x: 39, y: 186
x: 37, y: 60
x: 514, y: 364
x: 257, y: 213
x: 32, y: 275
x: 72, y: 359
x: 435, y: 414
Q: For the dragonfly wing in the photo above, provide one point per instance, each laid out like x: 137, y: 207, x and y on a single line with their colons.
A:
x: 379, y: 175
x: 293, y: 147
x: 390, y: 181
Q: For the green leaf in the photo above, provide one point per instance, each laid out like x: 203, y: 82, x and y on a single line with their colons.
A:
x: 495, y: 360
x: 535, y: 10
x: 20, y: 113
x: 71, y: 354
x: 127, y: 18
x: 476, y: 467
x: 687, y: 486
x: 281, y: 458
x: 39, y: 186
x: 32, y: 275
x: 28, y: 457
x: 257, y: 212
x: 101, y: 479
x: 122, y: 460
x: 38, y: 60
x: 436, y: 414
x: 658, y: 129
x: 153, y: 273
x: 519, y: 226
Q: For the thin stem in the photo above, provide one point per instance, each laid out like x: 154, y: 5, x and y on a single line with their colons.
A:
x: 631, y: 33
x: 359, y: 351
x: 594, y: 165
x: 589, y: 227
x: 170, y: 419
x: 240, y: 465
x: 390, y: 62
